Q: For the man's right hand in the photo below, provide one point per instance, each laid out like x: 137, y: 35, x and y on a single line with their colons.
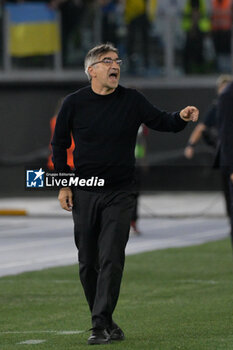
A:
x: 65, y: 198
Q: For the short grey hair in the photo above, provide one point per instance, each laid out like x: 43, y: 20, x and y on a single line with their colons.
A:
x: 93, y: 55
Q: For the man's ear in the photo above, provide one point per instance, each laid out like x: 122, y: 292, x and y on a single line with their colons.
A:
x: 92, y: 72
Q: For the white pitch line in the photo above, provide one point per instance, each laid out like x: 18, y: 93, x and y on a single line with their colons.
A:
x: 48, y: 281
x: 43, y: 332
x: 69, y: 332
x: 199, y: 281
x: 32, y: 342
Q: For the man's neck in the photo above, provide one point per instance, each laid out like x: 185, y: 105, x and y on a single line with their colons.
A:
x: 101, y: 90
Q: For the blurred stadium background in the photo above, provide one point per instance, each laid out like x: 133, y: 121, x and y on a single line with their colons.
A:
x: 39, y: 64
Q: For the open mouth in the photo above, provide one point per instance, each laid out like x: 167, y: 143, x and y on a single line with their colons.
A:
x: 113, y: 76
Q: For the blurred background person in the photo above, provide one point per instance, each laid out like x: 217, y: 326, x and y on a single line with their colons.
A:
x: 196, y: 25
x: 141, y: 166
x: 224, y: 157
x: 71, y: 17
x: 208, y: 131
x: 138, y: 16
x: 70, y: 160
x: 221, y: 24
x: 109, y: 21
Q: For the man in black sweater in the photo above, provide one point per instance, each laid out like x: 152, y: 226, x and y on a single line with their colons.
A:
x: 104, y: 119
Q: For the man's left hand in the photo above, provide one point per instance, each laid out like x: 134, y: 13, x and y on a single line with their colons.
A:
x: 189, y: 113
x: 231, y: 177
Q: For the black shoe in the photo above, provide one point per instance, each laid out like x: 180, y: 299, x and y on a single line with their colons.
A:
x: 99, y: 336
x: 116, y: 332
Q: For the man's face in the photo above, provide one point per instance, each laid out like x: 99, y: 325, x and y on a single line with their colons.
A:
x: 106, y: 74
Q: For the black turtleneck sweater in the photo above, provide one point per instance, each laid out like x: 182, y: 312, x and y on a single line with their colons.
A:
x: 104, y: 128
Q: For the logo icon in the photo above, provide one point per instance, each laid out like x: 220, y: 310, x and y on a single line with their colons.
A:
x: 35, y: 178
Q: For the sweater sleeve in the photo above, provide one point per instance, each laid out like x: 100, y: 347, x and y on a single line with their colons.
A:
x: 62, y: 137
x: 157, y: 119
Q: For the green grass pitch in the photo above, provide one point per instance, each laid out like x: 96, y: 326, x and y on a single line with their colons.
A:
x: 179, y: 298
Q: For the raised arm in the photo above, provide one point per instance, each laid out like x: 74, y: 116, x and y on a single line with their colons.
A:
x: 164, y: 121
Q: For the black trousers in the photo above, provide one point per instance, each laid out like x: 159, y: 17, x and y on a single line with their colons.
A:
x: 101, y: 228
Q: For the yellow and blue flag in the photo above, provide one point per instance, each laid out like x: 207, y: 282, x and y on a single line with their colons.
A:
x: 33, y: 29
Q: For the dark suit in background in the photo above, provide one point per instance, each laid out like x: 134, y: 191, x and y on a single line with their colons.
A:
x: 225, y: 154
